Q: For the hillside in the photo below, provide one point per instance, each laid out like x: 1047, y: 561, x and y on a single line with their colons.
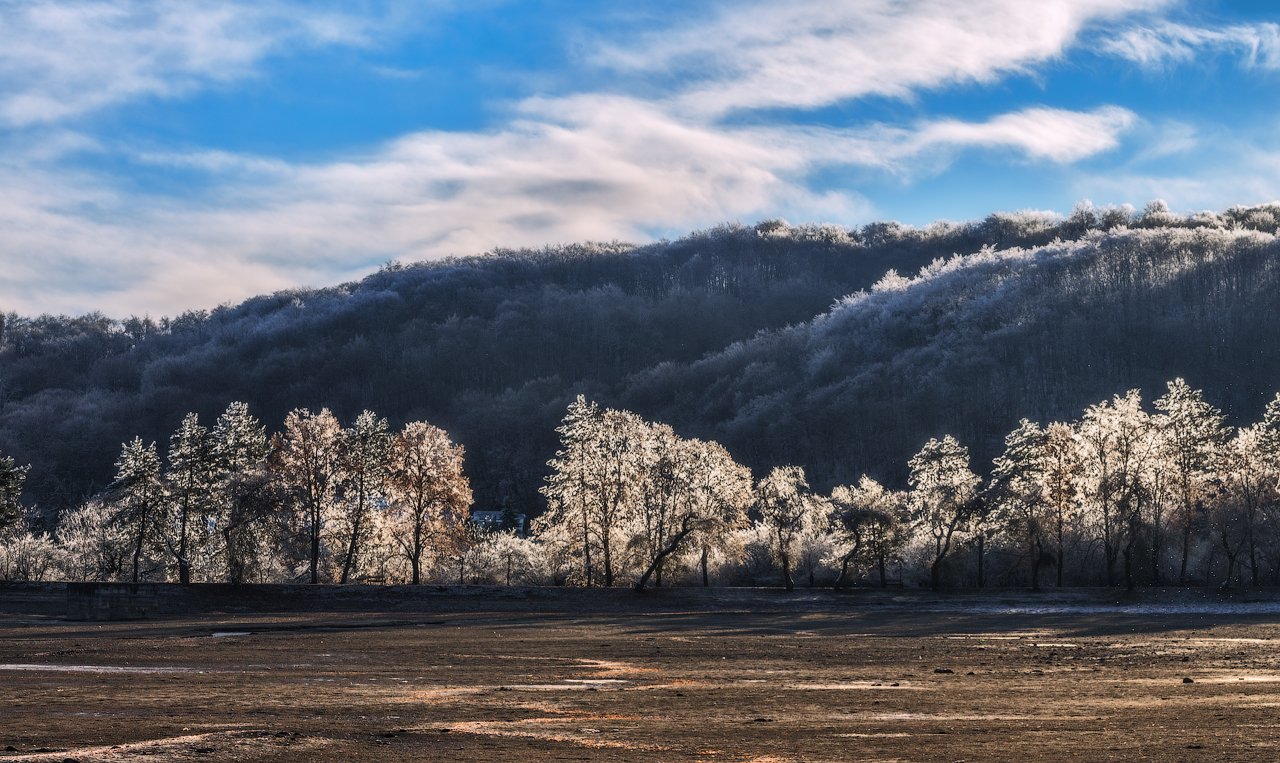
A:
x: 788, y: 344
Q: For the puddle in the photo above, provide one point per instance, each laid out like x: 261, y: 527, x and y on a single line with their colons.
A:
x: 230, y: 634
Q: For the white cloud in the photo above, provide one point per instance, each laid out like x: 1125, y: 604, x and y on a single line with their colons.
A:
x: 1038, y: 134
x: 64, y: 59
x: 810, y: 53
x: 1257, y: 45
x: 585, y: 168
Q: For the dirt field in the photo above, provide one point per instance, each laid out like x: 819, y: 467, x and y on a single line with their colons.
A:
x: 728, y: 677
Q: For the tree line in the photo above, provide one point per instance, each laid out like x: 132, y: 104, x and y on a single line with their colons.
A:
x: 1124, y: 494
x: 314, y: 502
x: 785, y: 343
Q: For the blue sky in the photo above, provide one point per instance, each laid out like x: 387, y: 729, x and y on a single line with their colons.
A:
x: 159, y: 156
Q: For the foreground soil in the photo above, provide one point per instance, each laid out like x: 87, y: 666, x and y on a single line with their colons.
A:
x: 747, y: 677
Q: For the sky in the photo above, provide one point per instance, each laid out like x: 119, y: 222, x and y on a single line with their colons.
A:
x: 159, y: 156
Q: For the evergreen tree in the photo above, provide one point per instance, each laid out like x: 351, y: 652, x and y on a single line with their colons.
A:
x: 245, y: 496
x: 1019, y: 491
x: 192, y: 482
x: 140, y: 499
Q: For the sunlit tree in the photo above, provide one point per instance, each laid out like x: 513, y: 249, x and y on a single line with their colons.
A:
x: 942, y: 496
x: 306, y: 459
x: 427, y: 489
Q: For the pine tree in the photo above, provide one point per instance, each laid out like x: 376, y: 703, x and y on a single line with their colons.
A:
x: 140, y: 498
x: 244, y: 490
x: 191, y: 481
x: 1019, y: 490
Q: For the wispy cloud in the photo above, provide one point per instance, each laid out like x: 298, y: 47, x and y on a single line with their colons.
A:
x: 64, y: 59
x: 1256, y: 45
x: 810, y: 53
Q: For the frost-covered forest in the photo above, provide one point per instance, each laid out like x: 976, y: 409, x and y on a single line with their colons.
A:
x: 840, y: 352
x: 1126, y: 493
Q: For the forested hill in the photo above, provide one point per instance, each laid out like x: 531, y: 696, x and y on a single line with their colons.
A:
x: 787, y: 344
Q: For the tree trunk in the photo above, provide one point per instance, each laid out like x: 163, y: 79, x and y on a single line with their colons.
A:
x: 1186, y: 550
x: 586, y: 551
x: 844, y: 571
x: 981, y: 557
x: 184, y: 566
x: 656, y: 565
x: 786, y: 573
x: 1036, y: 553
x: 1062, y: 550
x: 884, y: 580
x: 348, y: 563
x: 608, y: 561
x: 137, y: 550
x: 315, y: 545
x: 706, y: 579
x: 415, y: 560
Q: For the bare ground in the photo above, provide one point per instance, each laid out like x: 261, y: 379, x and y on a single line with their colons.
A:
x: 748, y: 677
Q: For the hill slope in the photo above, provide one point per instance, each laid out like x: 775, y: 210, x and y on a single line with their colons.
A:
x: 730, y: 333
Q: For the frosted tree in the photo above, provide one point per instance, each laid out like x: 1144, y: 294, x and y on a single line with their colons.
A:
x: 246, y: 495
x: 1115, y: 444
x: 596, y: 480
x: 95, y: 547
x: 140, y: 499
x: 427, y: 490
x: 305, y: 458
x: 690, y: 490
x: 569, y: 498
x: 721, y: 490
x: 787, y: 511
x: 1247, y: 485
x: 1020, y: 491
x: 504, y: 557
x: 868, y: 527
x: 12, y: 478
x: 28, y: 556
x: 1134, y: 445
x: 942, y: 496
x: 1062, y: 477
x: 363, y: 462
x: 192, y: 489
x: 1192, y: 438
x: 664, y: 477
